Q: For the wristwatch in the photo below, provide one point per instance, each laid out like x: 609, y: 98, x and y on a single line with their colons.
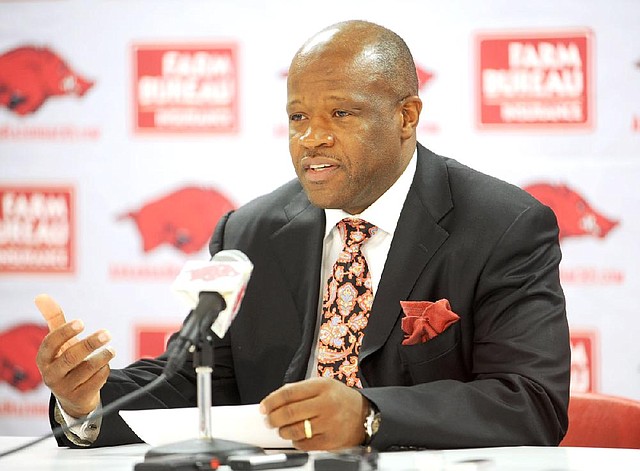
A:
x: 371, y: 424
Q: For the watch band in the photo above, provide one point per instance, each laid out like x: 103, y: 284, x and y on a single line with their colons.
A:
x: 371, y: 424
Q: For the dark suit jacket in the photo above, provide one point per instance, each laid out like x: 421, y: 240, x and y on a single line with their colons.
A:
x: 498, y: 377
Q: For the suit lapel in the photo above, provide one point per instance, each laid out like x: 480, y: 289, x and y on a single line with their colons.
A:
x: 418, y: 236
x: 298, y: 247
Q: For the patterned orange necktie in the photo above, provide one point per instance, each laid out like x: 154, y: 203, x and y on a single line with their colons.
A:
x: 346, y: 306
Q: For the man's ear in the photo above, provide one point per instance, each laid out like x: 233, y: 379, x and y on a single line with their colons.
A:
x: 411, y: 108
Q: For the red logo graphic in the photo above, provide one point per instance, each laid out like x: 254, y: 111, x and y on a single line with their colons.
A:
x: 18, y: 348
x: 535, y: 80
x: 213, y: 272
x: 584, y: 361
x: 36, y: 230
x: 184, y: 219
x: 424, y: 76
x: 576, y: 217
x: 186, y: 88
x: 29, y: 75
x: 151, y: 340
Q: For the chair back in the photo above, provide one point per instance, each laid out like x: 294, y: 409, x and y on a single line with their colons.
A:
x: 602, y: 421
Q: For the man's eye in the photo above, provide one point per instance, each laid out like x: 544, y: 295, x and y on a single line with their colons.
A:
x: 296, y: 117
x: 341, y: 113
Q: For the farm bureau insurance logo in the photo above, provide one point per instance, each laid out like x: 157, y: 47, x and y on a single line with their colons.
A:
x: 186, y: 88
x: 37, y: 229
x: 535, y: 80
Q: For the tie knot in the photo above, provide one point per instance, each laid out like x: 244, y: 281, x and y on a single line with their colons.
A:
x: 355, y: 231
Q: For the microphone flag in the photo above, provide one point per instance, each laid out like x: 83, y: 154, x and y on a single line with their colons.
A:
x: 227, y: 273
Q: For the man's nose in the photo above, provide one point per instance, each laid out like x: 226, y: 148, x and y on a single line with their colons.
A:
x: 316, y: 135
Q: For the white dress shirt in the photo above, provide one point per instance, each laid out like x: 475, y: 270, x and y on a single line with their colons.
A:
x: 383, y: 213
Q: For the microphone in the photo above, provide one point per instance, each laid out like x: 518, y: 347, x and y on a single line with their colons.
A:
x: 227, y: 273
x: 214, y: 291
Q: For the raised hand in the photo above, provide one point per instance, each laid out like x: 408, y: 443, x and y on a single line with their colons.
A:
x: 74, y: 369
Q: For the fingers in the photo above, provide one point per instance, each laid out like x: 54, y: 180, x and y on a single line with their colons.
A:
x: 85, y: 397
x: 288, y: 407
x: 86, y: 371
x: 335, y: 414
x: 291, y: 393
x: 76, y: 378
x: 309, y: 437
x: 79, y: 356
x: 290, y: 419
x: 53, y: 315
x: 50, y: 310
x: 53, y: 343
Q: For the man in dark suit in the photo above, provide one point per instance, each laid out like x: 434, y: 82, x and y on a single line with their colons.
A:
x: 426, y: 228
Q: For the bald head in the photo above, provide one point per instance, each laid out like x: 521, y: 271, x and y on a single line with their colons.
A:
x: 364, y: 45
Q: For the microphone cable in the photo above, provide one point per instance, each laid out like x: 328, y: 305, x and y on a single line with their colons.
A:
x: 59, y: 430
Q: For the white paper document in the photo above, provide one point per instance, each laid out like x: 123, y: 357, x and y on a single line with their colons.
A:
x: 238, y: 423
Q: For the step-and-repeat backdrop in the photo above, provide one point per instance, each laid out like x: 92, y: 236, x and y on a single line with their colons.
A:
x: 127, y: 128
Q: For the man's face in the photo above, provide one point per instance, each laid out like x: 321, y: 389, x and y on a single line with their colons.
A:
x: 344, y: 133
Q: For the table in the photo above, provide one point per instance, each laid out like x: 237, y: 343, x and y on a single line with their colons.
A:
x: 47, y: 456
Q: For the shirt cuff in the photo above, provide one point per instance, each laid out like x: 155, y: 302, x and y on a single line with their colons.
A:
x: 82, y: 434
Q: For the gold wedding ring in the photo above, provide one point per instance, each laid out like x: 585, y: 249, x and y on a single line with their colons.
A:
x: 308, y: 432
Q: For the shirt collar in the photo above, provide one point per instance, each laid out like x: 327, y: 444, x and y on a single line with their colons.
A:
x: 385, y: 211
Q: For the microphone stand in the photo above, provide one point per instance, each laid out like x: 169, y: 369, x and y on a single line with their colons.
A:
x: 204, y: 369
x: 205, y: 446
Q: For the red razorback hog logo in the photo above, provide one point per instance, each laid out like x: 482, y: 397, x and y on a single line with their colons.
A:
x: 184, y: 219
x: 576, y: 217
x: 18, y: 348
x: 29, y: 75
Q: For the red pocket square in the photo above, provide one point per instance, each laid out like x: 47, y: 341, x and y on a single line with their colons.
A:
x: 424, y: 320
